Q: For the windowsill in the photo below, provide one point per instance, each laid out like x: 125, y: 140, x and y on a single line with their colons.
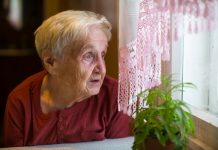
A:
x: 196, y: 144
x: 206, y: 134
x: 204, y: 115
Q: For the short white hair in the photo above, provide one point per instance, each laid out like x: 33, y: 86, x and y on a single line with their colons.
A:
x: 68, y: 27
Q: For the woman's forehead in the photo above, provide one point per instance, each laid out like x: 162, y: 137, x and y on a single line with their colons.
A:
x: 96, y: 33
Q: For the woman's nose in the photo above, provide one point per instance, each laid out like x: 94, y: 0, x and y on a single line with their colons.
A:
x: 100, y: 65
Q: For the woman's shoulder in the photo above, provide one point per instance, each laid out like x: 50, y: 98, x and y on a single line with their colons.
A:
x: 109, y: 81
x: 109, y: 89
x: 28, y: 84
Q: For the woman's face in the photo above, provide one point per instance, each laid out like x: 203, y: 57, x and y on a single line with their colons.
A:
x: 85, y: 72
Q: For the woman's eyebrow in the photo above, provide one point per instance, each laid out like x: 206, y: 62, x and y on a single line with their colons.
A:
x: 87, y: 46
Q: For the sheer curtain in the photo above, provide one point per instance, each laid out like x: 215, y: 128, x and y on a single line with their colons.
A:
x: 143, y: 43
x: 145, y: 36
x: 128, y: 19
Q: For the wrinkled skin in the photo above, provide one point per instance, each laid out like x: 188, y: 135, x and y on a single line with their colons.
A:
x: 76, y: 77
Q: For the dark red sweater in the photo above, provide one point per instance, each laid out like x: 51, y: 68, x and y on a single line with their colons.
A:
x: 95, y: 118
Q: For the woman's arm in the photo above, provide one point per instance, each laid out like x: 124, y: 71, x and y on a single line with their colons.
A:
x: 119, y: 124
x: 13, y: 132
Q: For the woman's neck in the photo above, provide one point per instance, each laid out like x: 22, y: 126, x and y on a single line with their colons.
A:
x: 56, y: 96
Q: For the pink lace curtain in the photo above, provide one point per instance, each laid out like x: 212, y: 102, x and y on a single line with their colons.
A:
x: 145, y: 28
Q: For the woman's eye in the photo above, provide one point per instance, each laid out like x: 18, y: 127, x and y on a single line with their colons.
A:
x: 88, y: 56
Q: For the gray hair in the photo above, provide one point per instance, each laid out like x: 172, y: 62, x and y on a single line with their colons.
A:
x: 67, y: 27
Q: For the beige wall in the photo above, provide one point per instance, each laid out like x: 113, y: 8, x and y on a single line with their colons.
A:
x: 105, y: 7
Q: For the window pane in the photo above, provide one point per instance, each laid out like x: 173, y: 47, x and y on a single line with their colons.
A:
x: 196, y: 62
x: 195, y: 59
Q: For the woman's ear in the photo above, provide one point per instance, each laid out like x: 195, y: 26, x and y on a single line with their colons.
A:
x: 49, y: 61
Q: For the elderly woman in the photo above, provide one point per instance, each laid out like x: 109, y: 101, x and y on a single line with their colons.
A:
x: 71, y: 100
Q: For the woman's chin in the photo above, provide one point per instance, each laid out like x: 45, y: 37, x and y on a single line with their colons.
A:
x: 94, y: 90
x: 94, y: 87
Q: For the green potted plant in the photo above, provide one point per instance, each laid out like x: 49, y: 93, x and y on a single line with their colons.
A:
x: 165, y: 120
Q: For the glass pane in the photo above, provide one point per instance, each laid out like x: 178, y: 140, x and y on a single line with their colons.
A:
x: 195, y: 59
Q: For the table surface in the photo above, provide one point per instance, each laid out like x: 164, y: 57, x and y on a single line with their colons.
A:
x: 107, y: 144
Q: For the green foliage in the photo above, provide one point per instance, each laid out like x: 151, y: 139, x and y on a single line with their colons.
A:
x: 164, y: 118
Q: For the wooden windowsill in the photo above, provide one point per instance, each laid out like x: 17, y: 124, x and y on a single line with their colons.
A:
x: 206, y: 136
x: 196, y: 144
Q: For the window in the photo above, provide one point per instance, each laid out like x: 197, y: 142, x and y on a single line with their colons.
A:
x: 195, y: 59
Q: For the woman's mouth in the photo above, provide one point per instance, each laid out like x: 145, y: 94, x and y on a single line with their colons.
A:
x: 95, y: 82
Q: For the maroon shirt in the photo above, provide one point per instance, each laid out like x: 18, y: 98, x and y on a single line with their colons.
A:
x: 95, y: 118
